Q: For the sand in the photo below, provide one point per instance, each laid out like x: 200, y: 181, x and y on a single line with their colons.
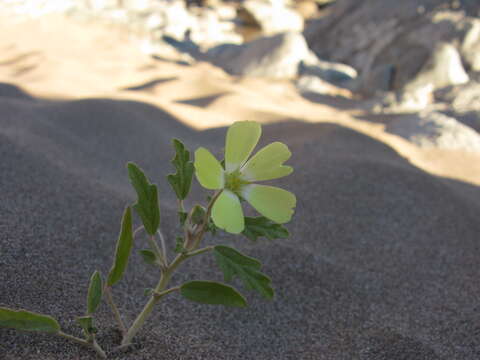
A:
x: 383, y: 258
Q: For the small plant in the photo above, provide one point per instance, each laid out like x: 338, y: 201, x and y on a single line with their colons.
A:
x: 233, y: 181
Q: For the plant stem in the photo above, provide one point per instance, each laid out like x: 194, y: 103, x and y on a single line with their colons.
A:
x: 98, y: 349
x: 165, y: 292
x: 154, y: 246
x: 198, y: 236
x: 164, y: 248
x: 92, y: 344
x: 116, y: 312
x: 180, y: 206
x: 137, y: 230
x: 200, y: 251
x: 147, y: 309
x: 73, y: 338
x: 167, y: 273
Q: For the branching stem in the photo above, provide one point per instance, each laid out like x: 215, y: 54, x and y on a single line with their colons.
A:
x: 116, y: 312
x: 167, y: 273
x: 91, y: 344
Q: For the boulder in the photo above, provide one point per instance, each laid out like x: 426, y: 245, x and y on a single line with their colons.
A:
x: 464, y: 97
x: 308, y: 84
x: 334, y: 73
x: 271, y: 17
x: 275, y: 56
x: 388, y: 41
x: 435, y: 130
x: 444, y: 68
x: 471, y: 46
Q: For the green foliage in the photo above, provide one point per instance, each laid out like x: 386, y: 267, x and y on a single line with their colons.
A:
x: 147, y: 204
x: 148, y: 256
x: 124, y: 247
x: 256, y: 227
x: 27, y: 321
x: 198, y: 214
x: 182, y: 216
x: 179, y: 248
x: 182, y: 179
x: 275, y: 202
x: 86, y: 323
x: 213, y: 293
x: 95, y: 291
x: 233, y: 263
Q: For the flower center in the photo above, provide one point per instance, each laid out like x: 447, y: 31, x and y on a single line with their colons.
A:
x: 234, y: 181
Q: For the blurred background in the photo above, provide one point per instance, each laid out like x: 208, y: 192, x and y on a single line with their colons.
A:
x: 409, y: 65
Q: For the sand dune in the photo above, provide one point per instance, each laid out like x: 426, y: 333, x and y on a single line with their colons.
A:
x: 383, y: 258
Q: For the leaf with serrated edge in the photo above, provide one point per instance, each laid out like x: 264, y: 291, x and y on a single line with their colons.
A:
x: 124, y: 247
x: 213, y: 293
x: 233, y: 263
x: 147, y: 204
x: 181, y: 181
x: 95, y: 290
x: 148, y: 256
x: 24, y: 320
x: 256, y: 227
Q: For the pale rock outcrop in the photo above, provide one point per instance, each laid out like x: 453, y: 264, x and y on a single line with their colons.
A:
x: 435, y: 130
x: 276, y: 56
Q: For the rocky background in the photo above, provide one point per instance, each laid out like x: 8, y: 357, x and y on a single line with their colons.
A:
x: 414, y: 58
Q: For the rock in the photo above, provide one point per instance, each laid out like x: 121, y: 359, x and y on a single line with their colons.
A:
x: 276, y: 56
x: 315, y: 85
x: 335, y: 73
x: 177, y: 20
x: 444, y: 68
x: 415, y: 99
x: 471, y: 46
x: 462, y: 102
x: 435, y: 130
x: 208, y: 30
x: 307, y: 9
x: 387, y: 41
x: 464, y: 97
x: 273, y: 18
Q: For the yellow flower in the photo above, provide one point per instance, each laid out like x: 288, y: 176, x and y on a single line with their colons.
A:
x: 236, y: 180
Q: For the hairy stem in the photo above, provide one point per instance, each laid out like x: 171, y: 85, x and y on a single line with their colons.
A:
x: 147, y: 309
x: 116, y: 312
x: 92, y: 344
x: 164, y: 248
x: 154, y: 246
x: 167, y: 273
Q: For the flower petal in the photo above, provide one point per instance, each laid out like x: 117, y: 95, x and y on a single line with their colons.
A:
x: 242, y: 137
x: 227, y: 212
x: 272, y: 202
x: 267, y: 163
x: 208, y: 170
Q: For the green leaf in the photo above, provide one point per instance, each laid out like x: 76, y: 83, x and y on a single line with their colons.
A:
x: 147, y: 203
x: 148, y: 256
x: 124, y: 247
x: 198, y: 214
x: 24, y: 320
x: 182, y: 216
x: 260, y: 226
x: 179, y: 248
x: 182, y: 179
x: 233, y: 263
x: 95, y: 290
x: 209, y: 292
x: 86, y: 323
